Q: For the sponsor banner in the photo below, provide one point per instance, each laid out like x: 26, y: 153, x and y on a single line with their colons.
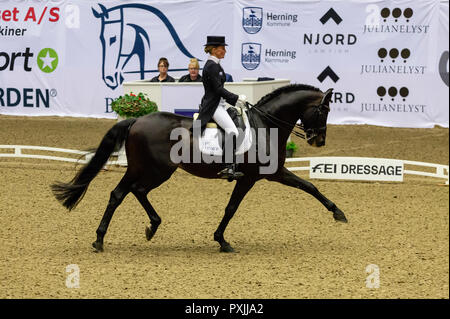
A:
x: 356, y: 168
x: 387, y: 61
x: 71, y: 58
x: 379, y: 56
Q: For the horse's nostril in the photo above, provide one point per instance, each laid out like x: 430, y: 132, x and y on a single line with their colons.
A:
x: 109, y: 79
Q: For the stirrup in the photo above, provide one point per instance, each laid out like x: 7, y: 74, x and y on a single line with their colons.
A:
x: 235, y: 176
x: 230, y: 174
x: 227, y: 171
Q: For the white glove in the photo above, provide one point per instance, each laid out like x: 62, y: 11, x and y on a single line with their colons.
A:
x: 242, y: 101
x: 242, y: 98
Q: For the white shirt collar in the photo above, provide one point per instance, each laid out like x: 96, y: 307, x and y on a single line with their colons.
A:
x: 214, y: 59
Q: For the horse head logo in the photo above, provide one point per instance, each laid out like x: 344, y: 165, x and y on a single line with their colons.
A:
x: 251, y: 55
x: 116, y: 54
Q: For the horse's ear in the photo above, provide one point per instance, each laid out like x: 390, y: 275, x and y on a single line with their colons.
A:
x: 327, y: 97
x: 104, y: 12
x: 96, y: 14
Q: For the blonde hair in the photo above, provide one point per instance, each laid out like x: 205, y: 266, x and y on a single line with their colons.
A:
x: 208, y: 48
x: 194, y: 62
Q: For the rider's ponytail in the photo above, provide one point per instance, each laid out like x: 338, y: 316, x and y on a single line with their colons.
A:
x: 208, y: 48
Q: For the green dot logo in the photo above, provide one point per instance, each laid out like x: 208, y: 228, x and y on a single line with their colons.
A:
x: 47, y: 60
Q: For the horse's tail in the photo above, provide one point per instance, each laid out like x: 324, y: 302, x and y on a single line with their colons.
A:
x: 70, y: 194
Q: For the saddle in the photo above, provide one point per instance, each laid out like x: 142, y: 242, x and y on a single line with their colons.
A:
x: 212, y: 140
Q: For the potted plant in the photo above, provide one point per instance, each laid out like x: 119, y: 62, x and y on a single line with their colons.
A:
x: 131, y: 105
x: 291, y: 147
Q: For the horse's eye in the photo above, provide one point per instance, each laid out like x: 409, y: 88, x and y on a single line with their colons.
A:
x: 324, y: 108
x: 112, y: 40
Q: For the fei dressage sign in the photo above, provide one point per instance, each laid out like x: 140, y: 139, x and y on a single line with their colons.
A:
x: 356, y: 168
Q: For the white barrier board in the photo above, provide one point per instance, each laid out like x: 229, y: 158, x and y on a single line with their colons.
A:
x: 356, y: 168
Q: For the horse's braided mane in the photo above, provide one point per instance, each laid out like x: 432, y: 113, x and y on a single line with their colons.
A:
x: 285, y: 89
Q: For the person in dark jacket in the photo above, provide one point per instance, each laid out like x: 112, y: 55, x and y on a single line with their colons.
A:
x: 213, y: 102
x: 163, y: 66
x: 193, y: 75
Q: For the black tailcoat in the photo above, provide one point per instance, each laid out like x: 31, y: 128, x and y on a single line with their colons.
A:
x: 213, y: 77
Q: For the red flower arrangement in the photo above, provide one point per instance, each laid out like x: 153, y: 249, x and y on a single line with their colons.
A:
x: 131, y: 105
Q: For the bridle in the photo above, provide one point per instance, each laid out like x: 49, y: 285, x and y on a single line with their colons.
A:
x: 319, y: 111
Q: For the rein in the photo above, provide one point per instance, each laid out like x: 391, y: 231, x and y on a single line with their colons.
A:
x: 280, y: 123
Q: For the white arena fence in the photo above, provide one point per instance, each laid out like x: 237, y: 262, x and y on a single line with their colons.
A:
x: 343, y: 168
x: 83, y: 156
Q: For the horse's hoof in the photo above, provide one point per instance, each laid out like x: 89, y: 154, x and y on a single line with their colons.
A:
x: 339, y: 216
x: 149, y: 233
x: 226, y: 248
x: 97, y: 246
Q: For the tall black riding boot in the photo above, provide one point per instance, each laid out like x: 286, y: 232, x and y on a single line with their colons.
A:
x: 230, y: 172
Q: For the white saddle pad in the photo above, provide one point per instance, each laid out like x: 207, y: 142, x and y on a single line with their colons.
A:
x: 210, y: 141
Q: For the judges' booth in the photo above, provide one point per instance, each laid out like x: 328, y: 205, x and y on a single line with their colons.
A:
x: 184, y: 98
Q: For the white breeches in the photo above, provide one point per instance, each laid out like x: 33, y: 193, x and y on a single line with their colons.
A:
x: 224, y: 120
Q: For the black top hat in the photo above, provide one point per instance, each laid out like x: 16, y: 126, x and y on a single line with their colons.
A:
x: 215, y: 40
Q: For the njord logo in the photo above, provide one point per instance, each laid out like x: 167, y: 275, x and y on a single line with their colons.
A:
x: 338, y: 97
x: 392, y: 20
x: 393, y: 61
x: 117, y: 25
x: 328, y: 72
x: 330, y: 39
x: 331, y: 14
x: 251, y: 55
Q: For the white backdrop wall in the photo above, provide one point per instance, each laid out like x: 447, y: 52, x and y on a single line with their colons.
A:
x: 386, y: 60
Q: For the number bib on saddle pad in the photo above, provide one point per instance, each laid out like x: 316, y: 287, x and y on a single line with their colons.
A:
x: 212, y: 140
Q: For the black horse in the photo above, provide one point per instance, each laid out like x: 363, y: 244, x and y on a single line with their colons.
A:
x: 148, y: 147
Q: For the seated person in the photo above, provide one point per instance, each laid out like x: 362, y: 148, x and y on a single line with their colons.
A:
x: 228, y: 77
x: 193, y: 75
x: 163, y: 66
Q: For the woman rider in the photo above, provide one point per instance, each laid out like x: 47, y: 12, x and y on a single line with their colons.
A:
x: 213, y: 102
